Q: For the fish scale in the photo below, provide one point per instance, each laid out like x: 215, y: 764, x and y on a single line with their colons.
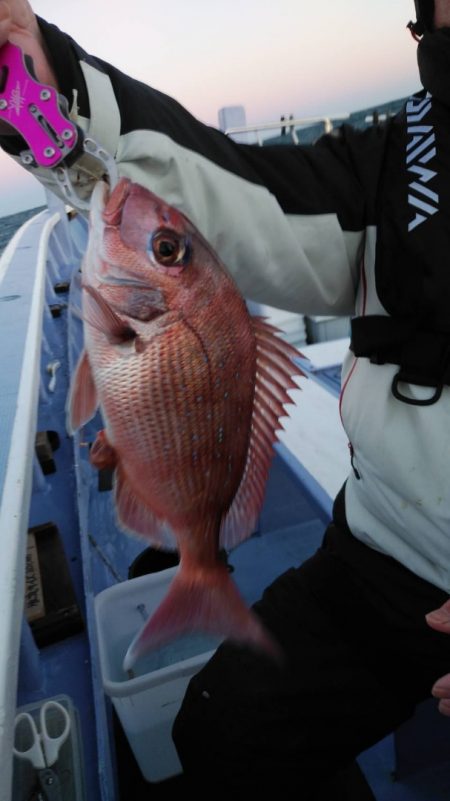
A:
x: 191, y: 389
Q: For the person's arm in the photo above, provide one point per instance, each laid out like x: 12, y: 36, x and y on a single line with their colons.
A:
x: 442, y: 13
x: 18, y: 24
x: 288, y: 222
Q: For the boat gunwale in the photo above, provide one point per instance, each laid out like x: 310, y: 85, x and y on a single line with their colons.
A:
x: 16, y: 496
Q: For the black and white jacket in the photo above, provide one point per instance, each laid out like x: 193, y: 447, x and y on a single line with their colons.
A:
x: 357, y: 224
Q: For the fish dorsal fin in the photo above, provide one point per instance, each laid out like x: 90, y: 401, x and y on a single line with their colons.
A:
x: 274, y: 370
x: 82, y: 402
x: 136, y: 518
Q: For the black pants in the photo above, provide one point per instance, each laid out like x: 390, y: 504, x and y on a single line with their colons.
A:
x: 359, y: 657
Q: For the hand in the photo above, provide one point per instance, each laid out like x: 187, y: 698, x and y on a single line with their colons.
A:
x: 18, y: 25
x: 439, y: 619
x: 442, y: 13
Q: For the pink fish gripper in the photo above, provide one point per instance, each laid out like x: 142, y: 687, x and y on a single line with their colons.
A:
x: 41, y: 116
x: 36, y: 111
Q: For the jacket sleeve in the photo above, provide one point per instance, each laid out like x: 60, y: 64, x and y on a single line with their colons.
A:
x: 287, y: 221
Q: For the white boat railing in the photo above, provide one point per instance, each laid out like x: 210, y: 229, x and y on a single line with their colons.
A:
x: 290, y: 125
x: 17, y: 486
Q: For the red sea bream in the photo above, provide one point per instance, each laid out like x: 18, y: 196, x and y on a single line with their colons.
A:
x: 191, y: 389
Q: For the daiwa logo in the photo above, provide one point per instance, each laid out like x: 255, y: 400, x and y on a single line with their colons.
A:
x: 16, y: 100
x: 420, y: 150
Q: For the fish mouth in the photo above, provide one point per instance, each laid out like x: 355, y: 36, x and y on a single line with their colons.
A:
x: 127, y: 294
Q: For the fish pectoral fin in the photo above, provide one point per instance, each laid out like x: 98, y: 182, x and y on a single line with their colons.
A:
x: 82, y: 401
x: 209, y: 603
x: 98, y: 313
x: 135, y: 517
x: 102, y: 454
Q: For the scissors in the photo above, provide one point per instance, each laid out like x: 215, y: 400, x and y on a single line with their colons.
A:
x: 41, y: 748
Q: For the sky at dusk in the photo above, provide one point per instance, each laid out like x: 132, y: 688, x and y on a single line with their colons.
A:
x: 272, y: 57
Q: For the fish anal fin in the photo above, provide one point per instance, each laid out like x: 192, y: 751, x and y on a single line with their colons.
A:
x: 273, y: 379
x: 82, y: 402
x: 210, y: 604
x: 135, y: 517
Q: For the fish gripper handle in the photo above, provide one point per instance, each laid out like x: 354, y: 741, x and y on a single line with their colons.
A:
x: 35, y: 111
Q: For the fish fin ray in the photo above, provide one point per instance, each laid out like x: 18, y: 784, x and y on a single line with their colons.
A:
x: 102, y: 454
x: 210, y: 604
x: 98, y: 313
x: 82, y: 402
x: 273, y: 379
x: 135, y: 517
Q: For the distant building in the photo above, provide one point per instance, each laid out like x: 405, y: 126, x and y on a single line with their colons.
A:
x: 233, y: 117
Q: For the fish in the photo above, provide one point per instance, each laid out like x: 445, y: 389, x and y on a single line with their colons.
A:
x: 191, y: 389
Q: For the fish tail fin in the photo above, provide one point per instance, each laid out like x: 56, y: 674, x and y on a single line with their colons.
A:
x: 213, y: 607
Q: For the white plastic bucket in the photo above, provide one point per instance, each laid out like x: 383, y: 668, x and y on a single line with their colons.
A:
x: 148, y: 702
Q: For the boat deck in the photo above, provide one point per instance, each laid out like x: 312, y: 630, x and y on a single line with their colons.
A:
x: 69, y: 506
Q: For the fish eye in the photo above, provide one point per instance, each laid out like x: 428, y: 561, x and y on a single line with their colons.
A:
x: 169, y: 248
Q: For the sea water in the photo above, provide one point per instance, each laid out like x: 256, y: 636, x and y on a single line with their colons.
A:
x: 10, y: 224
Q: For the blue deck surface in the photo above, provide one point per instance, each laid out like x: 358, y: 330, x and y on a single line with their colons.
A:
x: 328, y: 377
x: 62, y: 667
x: 290, y: 529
